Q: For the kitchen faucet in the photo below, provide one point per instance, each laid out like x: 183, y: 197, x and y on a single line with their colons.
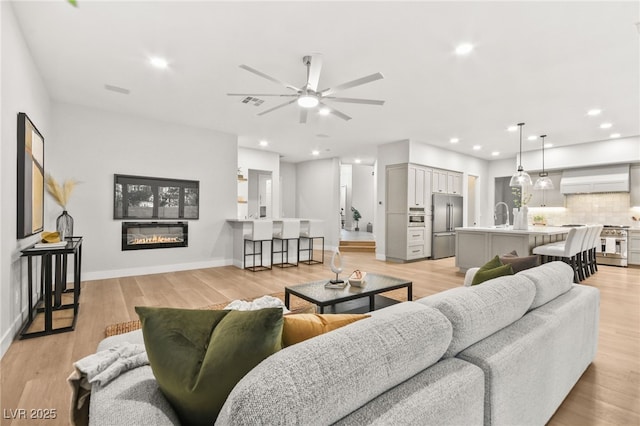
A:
x: 495, y: 212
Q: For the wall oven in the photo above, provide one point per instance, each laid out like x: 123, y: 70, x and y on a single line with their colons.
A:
x: 613, y: 245
x: 417, y: 216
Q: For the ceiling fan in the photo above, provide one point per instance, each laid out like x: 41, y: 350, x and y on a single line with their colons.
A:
x: 309, y: 96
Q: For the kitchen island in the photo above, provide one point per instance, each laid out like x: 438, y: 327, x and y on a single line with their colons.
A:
x: 476, y: 245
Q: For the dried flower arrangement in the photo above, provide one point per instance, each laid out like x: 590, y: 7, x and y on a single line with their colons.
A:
x: 60, y: 193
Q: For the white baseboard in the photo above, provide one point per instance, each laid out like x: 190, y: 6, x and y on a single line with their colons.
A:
x: 12, y: 332
x: 380, y: 256
x: 157, y: 269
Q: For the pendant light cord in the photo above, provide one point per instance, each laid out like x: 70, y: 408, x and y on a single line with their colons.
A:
x: 543, y: 136
x: 520, y: 162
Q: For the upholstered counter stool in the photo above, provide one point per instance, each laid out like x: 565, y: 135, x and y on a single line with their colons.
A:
x: 261, y: 232
x: 310, y: 231
x: 569, y: 251
x: 284, y: 231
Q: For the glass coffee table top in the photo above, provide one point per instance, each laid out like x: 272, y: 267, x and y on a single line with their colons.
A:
x: 315, y: 292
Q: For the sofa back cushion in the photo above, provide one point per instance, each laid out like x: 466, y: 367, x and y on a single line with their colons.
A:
x: 323, y: 379
x: 479, y: 311
x: 551, y: 280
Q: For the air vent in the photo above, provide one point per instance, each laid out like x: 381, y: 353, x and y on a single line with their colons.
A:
x: 117, y: 89
x: 252, y: 100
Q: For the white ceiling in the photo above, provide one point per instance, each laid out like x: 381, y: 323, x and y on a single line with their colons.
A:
x: 542, y: 63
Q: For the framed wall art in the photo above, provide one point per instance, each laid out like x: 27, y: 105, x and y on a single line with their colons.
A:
x: 143, y: 197
x: 30, y: 178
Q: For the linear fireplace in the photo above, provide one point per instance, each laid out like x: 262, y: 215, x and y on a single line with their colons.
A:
x: 151, y: 235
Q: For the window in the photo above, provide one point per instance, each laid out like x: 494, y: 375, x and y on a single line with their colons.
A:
x: 140, y: 197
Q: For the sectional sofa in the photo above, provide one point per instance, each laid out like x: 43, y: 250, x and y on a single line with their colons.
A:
x: 504, y: 352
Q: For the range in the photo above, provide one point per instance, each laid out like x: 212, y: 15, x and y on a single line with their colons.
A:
x: 613, y: 245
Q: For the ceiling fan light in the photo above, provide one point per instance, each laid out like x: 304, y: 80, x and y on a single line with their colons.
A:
x: 308, y: 101
x: 324, y: 111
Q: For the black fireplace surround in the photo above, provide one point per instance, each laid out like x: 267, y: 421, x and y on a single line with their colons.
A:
x: 152, y: 235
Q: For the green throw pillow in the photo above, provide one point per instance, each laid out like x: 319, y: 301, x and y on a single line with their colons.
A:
x: 198, y: 356
x: 490, y: 270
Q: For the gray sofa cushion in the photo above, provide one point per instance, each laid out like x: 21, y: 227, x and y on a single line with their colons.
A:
x: 450, y: 392
x: 131, y: 398
x: 321, y: 380
x: 551, y: 280
x: 479, y: 311
x: 532, y: 365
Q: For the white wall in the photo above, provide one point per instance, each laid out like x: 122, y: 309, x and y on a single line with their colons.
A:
x: 92, y: 145
x: 262, y: 160
x: 288, y: 189
x: 23, y: 90
x: 346, y: 180
x: 362, y: 179
x: 319, y: 196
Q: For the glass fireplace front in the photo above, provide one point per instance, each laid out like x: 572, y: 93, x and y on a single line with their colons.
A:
x: 150, y: 235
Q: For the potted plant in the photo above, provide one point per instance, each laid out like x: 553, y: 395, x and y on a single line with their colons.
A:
x: 539, y: 220
x: 356, y: 217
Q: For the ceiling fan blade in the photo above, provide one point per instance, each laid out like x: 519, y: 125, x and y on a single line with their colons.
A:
x: 268, y: 77
x: 354, y: 83
x: 276, y: 107
x: 313, y: 77
x: 335, y: 112
x: 356, y: 101
x: 303, y: 115
x: 261, y: 94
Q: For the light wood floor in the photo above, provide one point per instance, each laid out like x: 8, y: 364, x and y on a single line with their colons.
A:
x: 33, y: 372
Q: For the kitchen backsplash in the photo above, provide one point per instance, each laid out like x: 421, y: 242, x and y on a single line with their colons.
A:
x: 608, y: 208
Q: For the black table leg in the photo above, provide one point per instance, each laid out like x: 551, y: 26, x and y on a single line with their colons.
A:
x: 48, y: 317
x: 410, y: 292
x: 372, y: 303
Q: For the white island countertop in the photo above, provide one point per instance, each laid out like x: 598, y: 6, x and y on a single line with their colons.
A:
x: 532, y: 230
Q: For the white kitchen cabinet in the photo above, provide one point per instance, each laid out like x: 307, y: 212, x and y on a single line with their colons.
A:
x: 446, y: 182
x: 408, y: 189
x: 439, y: 183
x: 633, y: 248
x: 634, y: 185
x: 415, y: 186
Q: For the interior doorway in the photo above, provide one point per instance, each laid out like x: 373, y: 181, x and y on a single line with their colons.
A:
x: 260, y: 194
x: 357, y: 183
x: 472, y: 209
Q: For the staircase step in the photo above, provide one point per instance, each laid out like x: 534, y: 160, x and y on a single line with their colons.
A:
x: 344, y: 243
x: 358, y: 246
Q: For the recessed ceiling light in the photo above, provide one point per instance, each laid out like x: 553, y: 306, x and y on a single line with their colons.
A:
x: 512, y: 128
x: 548, y: 145
x: 315, y: 152
x: 264, y: 143
x: 454, y: 140
x: 464, y: 49
x: 606, y: 125
x: 358, y: 161
x: 532, y: 138
x: 495, y: 153
x: 614, y: 135
x: 158, y: 62
x: 594, y: 111
x: 324, y: 111
x: 477, y: 147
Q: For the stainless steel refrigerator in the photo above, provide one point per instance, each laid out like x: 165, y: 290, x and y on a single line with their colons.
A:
x: 447, y: 215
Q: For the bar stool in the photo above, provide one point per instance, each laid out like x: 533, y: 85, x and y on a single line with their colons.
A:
x: 310, y: 230
x: 568, y: 251
x: 587, y: 243
x: 595, y: 242
x: 261, y: 232
x: 289, y: 230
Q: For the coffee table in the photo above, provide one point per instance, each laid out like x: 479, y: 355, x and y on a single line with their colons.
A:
x: 315, y: 292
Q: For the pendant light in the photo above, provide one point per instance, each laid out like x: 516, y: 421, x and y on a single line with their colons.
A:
x: 543, y: 182
x: 520, y: 178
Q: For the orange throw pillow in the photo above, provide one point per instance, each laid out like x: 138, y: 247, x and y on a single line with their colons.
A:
x: 300, y: 327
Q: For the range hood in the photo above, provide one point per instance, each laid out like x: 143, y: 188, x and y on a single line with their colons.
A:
x: 596, y: 179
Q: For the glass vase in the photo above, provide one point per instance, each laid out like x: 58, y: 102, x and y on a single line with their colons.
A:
x: 64, y: 225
